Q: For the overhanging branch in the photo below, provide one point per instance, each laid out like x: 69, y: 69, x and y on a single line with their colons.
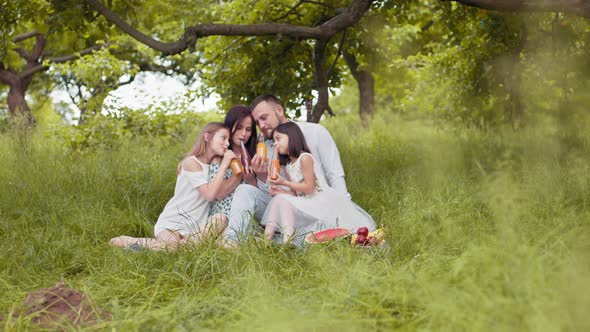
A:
x: 25, y: 36
x: 62, y: 59
x: 577, y: 7
x: 192, y: 33
x: 166, y: 48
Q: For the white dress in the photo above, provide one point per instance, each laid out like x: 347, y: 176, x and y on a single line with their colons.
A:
x: 323, y: 209
x: 187, y: 211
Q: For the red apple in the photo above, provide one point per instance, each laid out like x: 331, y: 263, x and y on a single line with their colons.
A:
x: 361, y: 239
x: 363, y: 231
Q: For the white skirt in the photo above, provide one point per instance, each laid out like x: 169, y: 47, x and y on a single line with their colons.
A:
x: 316, y: 212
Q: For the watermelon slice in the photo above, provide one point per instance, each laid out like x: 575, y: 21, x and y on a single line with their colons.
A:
x: 327, y: 235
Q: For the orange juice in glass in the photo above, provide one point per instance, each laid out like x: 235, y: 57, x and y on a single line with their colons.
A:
x: 236, y: 167
x: 275, y: 169
x: 261, y: 148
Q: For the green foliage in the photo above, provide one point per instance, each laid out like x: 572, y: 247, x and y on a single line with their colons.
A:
x: 241, y: 68
x: 488, y: 231
x: 433, y: 59
x: 453, y: 63
x: 12, y: 15
x: 105, y: 131
x: 70, y: 27
x: 100, y: 71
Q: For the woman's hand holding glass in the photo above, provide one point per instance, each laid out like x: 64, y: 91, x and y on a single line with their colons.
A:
x: 249, y: 177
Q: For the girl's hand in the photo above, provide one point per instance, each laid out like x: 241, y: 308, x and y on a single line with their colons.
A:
x: 275, y: 190
x: 227, y: 158
x: 280, y: 181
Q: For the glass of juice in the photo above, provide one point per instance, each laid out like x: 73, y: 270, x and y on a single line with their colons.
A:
x: 244, y: 156
x: 261, y: 148
x: 275, y: 169
x: 236, y: 167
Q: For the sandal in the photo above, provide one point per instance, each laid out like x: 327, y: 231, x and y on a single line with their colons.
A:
x: 136, y: 247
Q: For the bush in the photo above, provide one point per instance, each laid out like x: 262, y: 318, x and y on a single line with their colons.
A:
x: 106, y: 130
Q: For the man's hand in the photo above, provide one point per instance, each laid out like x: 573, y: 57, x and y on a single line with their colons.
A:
x: 260, y: 167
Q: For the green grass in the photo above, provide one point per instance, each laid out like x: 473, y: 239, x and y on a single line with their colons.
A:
x: 489, y: 230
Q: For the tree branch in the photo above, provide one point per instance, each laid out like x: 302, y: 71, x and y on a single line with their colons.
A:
x: 40, y: 43
x: 577, y: 7
x: 321, y: 76
x: 222, y: 52
x: 292, y: 10
x: 24, y: 54
x: 7, y: 76
x: 324, y: 31
x: 78, y: 54
x: 166, y: 48
x: 301, y: 2
x: 338, y: 53
x: 25, y: 36
x: 41, y: 67
x: 318, y: 3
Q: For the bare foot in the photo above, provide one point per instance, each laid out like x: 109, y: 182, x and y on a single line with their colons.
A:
x: 228, y: 244
x: 121, y: 241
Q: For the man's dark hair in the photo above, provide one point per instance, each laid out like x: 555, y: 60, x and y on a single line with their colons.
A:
x: 267, y: 98
x: 297, y: 143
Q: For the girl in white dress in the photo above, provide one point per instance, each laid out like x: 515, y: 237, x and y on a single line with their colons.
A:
x: 185, y: 217
x: 301, y: 204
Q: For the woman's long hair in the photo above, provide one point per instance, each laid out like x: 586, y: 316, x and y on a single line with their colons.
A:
x: 297, y: 143
x: 234, y: 116
x: 199, y: 149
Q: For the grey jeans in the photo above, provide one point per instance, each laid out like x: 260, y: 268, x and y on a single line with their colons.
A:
x: 248, y: 202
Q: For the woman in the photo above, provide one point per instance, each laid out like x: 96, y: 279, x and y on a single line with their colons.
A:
x: 242, y: 129
x: 186, y: 219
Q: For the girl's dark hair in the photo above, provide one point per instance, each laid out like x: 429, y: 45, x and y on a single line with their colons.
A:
x: 234, y: 116
x: 297, y: 143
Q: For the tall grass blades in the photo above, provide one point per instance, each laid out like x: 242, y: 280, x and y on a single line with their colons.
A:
x: 488, y: 231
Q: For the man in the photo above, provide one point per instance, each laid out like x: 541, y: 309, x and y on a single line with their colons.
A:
x: 248, y: 200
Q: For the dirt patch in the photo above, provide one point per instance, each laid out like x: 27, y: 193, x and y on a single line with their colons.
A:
x: 61, y: 306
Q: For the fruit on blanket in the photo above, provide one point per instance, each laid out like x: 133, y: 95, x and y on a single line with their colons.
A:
x: 327, y: 235
x: 361, y: 240
x: 362, y: 231
x: 375, y: 238
x: 378, y: 234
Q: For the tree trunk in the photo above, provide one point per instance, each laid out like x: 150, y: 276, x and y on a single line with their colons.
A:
x: 321, y: 78
x: 514, y: 108
x: 19, y: 82
x: 18, y: 106
x: 366, y: 86
x: 16, y: 101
